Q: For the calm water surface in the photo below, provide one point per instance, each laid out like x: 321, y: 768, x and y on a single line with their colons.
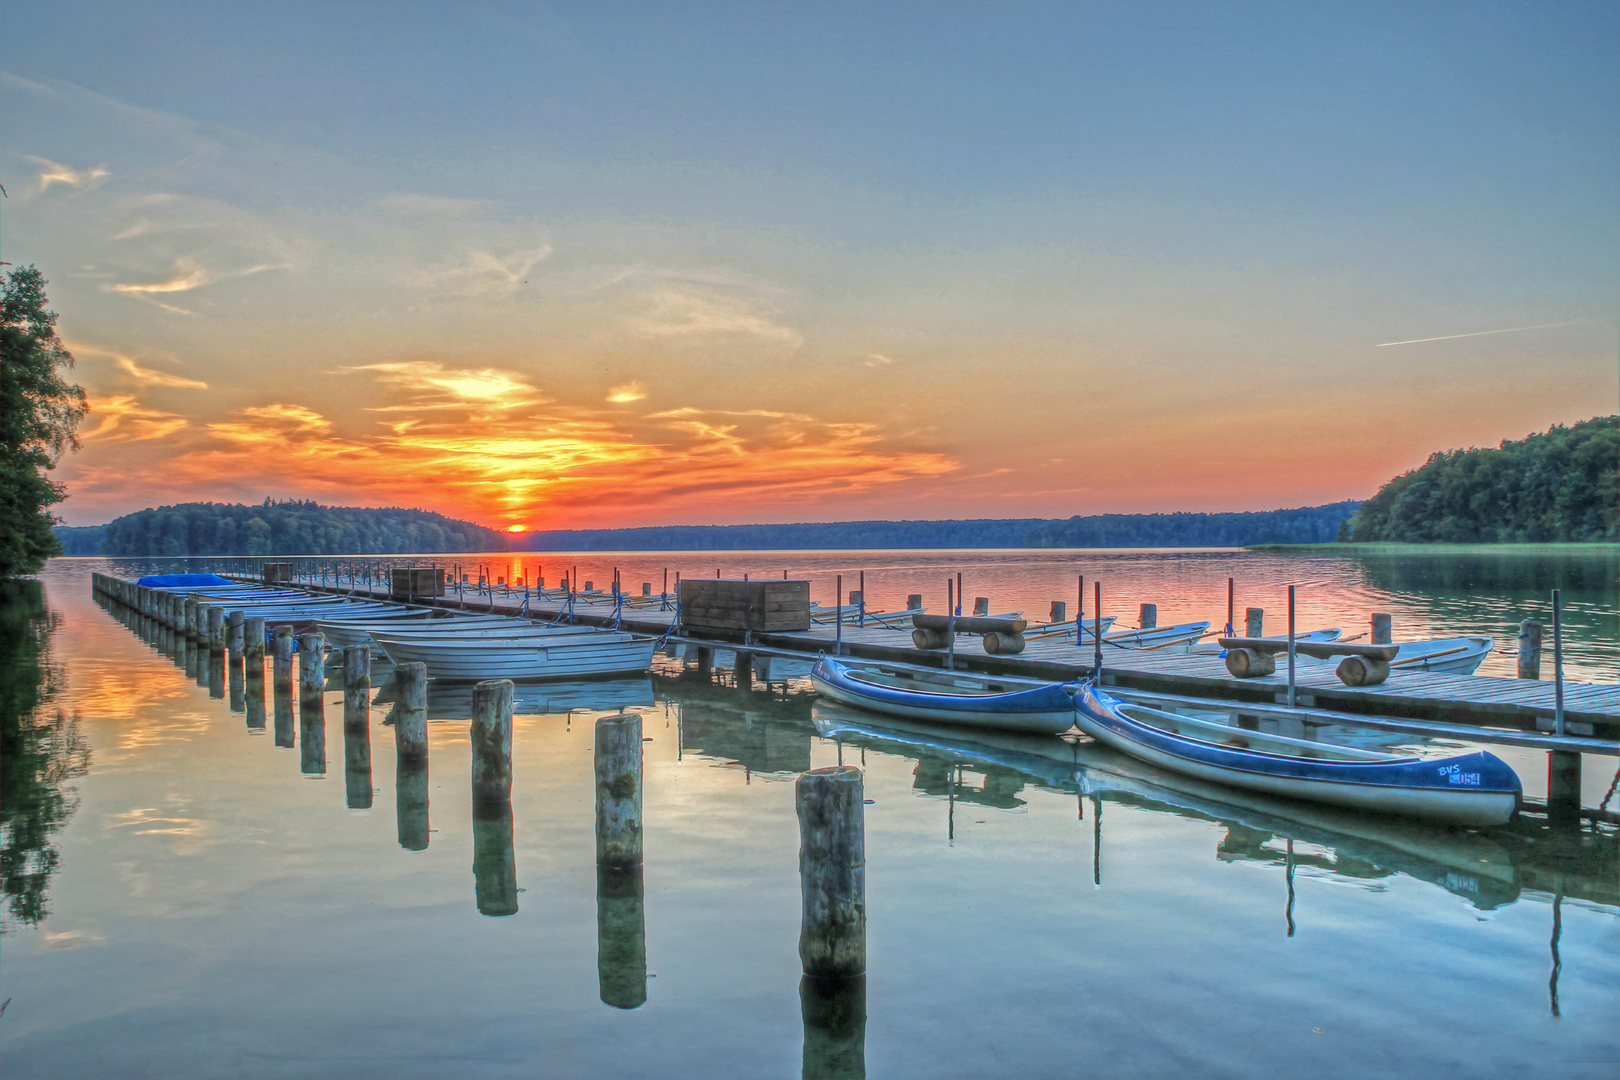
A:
x: 186, y: 898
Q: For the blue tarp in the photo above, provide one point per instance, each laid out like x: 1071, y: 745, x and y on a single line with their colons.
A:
x: 182, y: 581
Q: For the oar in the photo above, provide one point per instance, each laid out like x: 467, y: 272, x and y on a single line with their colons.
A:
x: 1430, y: 656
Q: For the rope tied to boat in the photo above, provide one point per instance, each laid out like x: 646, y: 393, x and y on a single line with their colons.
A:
x: 1604, y: 805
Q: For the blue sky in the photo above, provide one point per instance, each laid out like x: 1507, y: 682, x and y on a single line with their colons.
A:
x: 884, y: 260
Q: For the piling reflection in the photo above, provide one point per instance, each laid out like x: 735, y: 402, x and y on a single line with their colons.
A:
x: 283, y: 705
x: 411, y: 803
x: 253, y: 696
x: 357, y: 766
x: 834, y: 1012
x: 216, y: 675
x: 312, y: 739
x: 621, y: 937
x: 494, y: 865
x: 234, y: 677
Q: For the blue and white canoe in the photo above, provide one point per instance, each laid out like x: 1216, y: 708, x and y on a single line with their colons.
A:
x: 1468, y: 789
x: 945, y: 697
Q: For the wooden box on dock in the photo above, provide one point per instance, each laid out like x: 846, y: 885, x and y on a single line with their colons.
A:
x: 766, y: 606
x: 408, y: 582
x: 277, y: 572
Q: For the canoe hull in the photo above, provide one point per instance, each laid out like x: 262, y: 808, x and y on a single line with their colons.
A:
x: 524, y: 660
x: 1474, y: 790
x: 1046, y: 710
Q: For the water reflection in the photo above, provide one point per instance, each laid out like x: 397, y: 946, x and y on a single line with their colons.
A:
x: 411, y: 802
x: 216, y: 675
x: 41, y: 750
x: 253, y: 696
x: 494, y: 865
x: 834, y: 1012
x: 621, y: 937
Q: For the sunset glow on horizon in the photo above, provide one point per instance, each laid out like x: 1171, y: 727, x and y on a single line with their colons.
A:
x: 580, y: 267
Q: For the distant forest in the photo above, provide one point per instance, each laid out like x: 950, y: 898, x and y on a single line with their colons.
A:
x: 1304, y: 526
x: 281, y: 528
x: 1561, y: 486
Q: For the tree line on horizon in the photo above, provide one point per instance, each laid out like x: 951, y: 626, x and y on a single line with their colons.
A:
x: 1561, y: 486
x: 287, y: 527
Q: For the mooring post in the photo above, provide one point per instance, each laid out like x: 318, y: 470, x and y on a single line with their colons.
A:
x: 1530, y: 649
x: 1060, y: 612
x: 492, y: 741
x: 282, y: 657
x: 357, y: 725
x: 914, y: 602
x: 234, y: 624
x: 832, y: 872
x: 411, y: 755
x: 216, y: 629
x: 1382, y: 628
x: 1149, y: 617
x: 1290, y: 646
x: 618, y: 791
x: 1253, y: 622
x: 253, y: 643
x: 312, y: 702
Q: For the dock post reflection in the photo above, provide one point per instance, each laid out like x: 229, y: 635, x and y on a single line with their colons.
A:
x: 411, y: 755
x: 621, y: 937
x: 621, y: 914
x: 834, y: 1011
x: 357, y: 725
x: 494, y: 867
x: 281, y: 675
x: 216, y: 674
x: 234, y: 681
x: 253, y: 696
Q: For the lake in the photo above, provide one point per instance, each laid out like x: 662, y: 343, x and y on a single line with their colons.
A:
x: 187, y: 898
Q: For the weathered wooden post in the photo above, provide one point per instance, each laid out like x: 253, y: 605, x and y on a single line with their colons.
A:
x: 492, y: 741
x: 1382, y: 628
x: 410, y: 713
x: 357, y: 725
x: 1253, y: 621
x: 1060, y: 612
x: 832, y: 872
x: 743, y: 669
x: 914, y: 601
x: 834, y: 1012
x: 1530, y: 649
x: 1149, y: 617
x: 235, y: 634
x: 1563, y: 766
x: 312, y: 671
x: 981, y: 605
x: 621, y: 937
x: 618, y: 791
x: 411, y: 756
x: 216, y: 629
x: 253, y: 643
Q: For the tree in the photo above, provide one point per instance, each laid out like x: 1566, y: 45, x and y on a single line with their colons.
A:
x: 39, y: 412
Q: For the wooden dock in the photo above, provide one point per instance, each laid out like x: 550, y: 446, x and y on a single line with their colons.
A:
x: 1591, y: 710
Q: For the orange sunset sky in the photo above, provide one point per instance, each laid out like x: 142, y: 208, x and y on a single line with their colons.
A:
x: 575, y: 266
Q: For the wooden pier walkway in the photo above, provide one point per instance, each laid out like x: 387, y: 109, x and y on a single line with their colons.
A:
x: 1591, y: 710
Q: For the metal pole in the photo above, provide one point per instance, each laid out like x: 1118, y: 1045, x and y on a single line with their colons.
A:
x: 861, y: 611
x: 1558, y: 663
x: 1230, y: 610
x: 838, y: 613
x: 1080, y: 614
x: 1096, y: 613
x: 1290, y: 646
x: 950, y: 625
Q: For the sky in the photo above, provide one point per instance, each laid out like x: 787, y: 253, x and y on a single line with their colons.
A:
x: 597, y: 265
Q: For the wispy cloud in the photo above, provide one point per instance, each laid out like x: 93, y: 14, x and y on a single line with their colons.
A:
x: 627, y: 392
x: 435, y: 386
x: 134, y: 373
x: 877, y: 360
x: 54, y: 172
x: 687, y: 312
x: 1482, y: 333
x: 123, y: 418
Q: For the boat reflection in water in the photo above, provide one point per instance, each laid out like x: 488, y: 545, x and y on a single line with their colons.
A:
x: 453, y: 701
x: 1488, y: 868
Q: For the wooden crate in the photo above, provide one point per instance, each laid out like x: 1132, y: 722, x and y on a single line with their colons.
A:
x: 277, y: 572
x: 408, y: 582
x: 767, y: 606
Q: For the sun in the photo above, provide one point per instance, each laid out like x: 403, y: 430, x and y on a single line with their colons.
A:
x: 517, y: 528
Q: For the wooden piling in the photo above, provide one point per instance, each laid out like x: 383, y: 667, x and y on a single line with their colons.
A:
x: 492, y: 741
x: 832, y: 871
x: 1060, y: 612
x: 410, y: 713
x: 1253, y: 620
x: 1149, y: 617
x: 216, y: 629
x: 914, y: 601
x: 981, y: 605
x: 253, y: 643
x: 234, y: 634
x: 743, y: 669
x: 357, y: 725
x: 621, y: 937
x: 618, y: 791
x: 1530, y: 649
x: 312, y: 671
x: 1382, y: 628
